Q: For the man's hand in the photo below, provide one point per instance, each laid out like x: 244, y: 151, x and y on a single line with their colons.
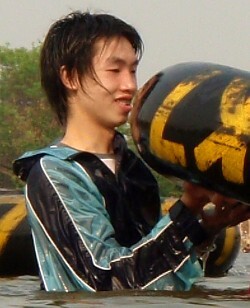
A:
x: 226, y: 212
x: 196, y: 197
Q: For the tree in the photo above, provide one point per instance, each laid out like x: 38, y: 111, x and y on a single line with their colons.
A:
x: 26, y: 121
x: 19, y: 75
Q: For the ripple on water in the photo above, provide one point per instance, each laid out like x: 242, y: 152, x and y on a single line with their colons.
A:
x: 230, y: 291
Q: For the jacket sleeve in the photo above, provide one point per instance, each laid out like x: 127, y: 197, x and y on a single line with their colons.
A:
x: 75, y: 245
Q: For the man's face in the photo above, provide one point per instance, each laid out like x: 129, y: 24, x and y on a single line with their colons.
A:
x: 107, y: 98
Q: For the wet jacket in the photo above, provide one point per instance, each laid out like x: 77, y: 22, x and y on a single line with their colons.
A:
x: 96, y: 230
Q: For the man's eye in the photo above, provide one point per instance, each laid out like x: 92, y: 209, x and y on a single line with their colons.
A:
x: 134, y: 70
x: 115, y: 70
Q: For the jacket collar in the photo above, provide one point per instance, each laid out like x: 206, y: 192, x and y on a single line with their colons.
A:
x: 23, y: 165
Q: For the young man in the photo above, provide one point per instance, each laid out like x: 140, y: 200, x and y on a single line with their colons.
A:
x: 93, y: 206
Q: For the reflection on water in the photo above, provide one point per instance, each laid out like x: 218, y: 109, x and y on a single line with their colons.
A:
x: 230, y: 291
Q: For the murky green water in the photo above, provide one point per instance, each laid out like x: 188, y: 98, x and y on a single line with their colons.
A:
x: 230, y: 291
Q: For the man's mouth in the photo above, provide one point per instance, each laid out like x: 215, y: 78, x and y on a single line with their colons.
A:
x: 124, y: 100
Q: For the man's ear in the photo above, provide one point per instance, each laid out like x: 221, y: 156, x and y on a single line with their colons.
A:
x: 70, y: 80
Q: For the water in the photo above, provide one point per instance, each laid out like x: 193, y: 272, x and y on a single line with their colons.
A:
x: 230, y: 291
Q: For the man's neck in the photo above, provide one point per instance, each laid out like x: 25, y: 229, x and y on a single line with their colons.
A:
x: 90, y: 138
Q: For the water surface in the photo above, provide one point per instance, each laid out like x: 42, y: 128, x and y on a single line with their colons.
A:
x: 230, y: 291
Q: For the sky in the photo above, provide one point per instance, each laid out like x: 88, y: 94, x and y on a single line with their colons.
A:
x: 173, y: 31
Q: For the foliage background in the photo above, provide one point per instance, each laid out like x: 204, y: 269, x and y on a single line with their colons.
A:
x: 26, y: 121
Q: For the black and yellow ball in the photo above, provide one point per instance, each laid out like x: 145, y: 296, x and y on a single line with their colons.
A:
x: 192, y: 120
x: 17, y: 254
x: 223, y: 257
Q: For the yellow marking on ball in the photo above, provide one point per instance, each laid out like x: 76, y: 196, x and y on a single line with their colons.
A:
x: 235, y: 107
x: 10, y: 220
x: 225, y: 143
x: 174, y: 152
x: 227, y: 247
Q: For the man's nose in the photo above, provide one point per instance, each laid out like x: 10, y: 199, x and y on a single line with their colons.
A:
x: 129, y: 82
